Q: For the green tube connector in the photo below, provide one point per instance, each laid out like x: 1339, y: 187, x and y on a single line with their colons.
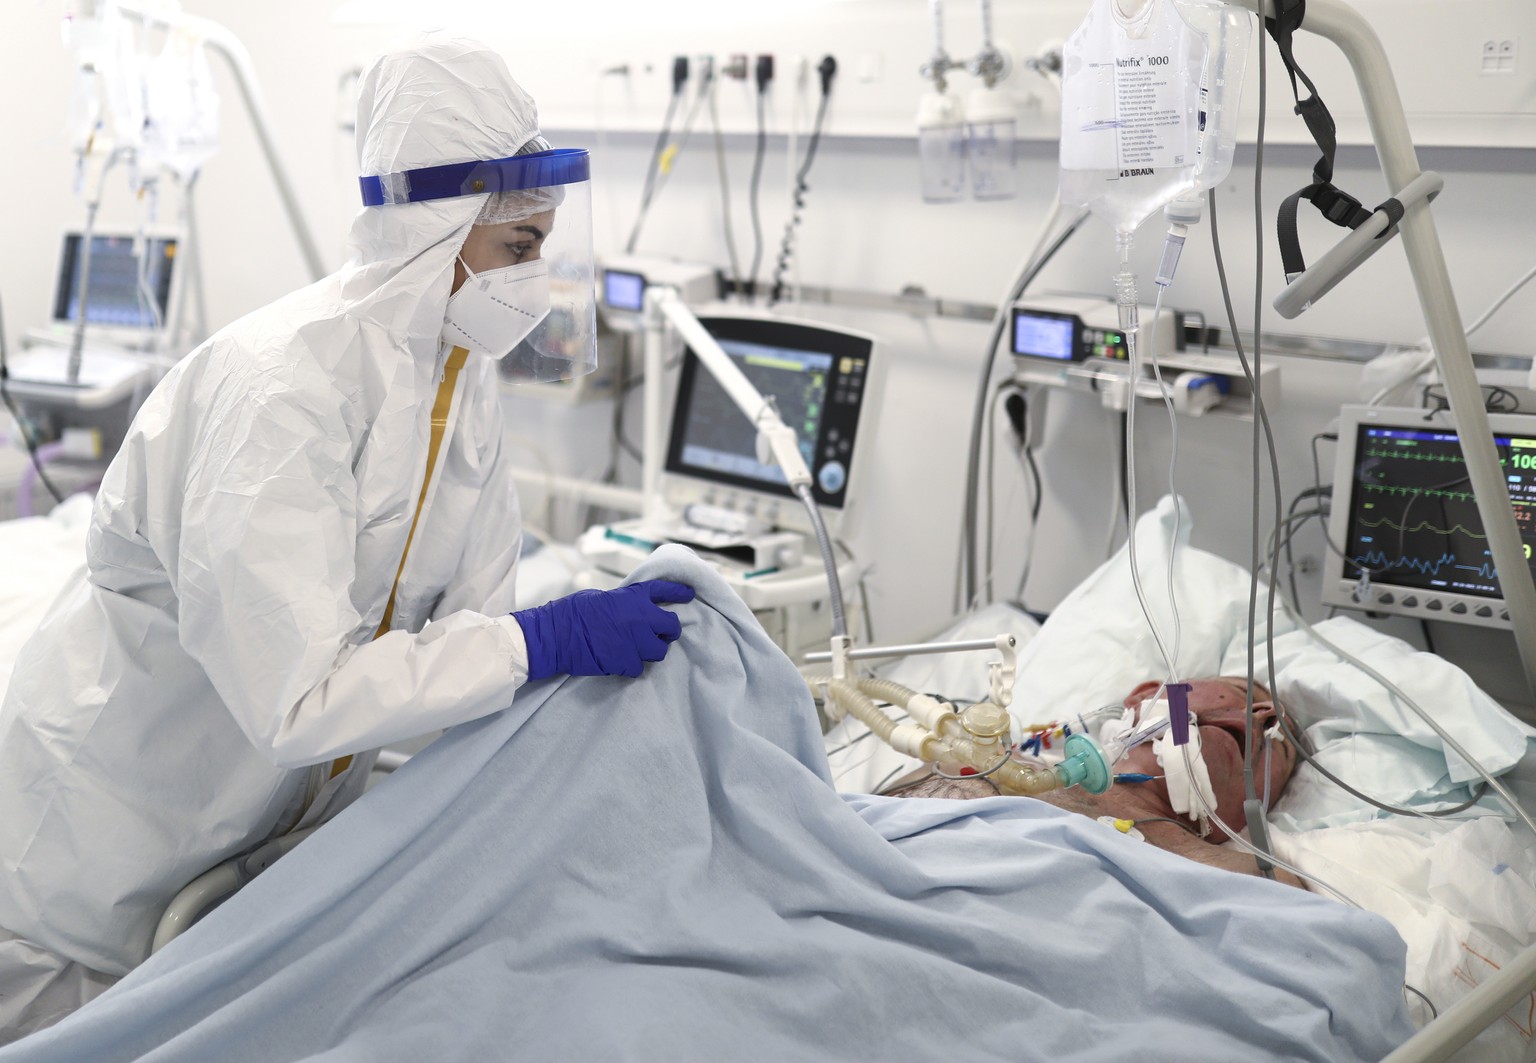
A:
x: 1085, y: 765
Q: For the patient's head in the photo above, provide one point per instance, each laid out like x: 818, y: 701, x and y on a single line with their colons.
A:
x: 1219, y: 704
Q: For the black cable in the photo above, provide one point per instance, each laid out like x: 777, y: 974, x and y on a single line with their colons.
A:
x: 679, y: 79
x: 706, y: 86
x: 875, y: 789
x: 1261, y: 415
x: 611, y: 474
x: 1018, y: 410
x: 728, y: 226
x: 1496, y: 400
x: 990, y: 537
x: 1250, y: 745
x: 966, y: 585
x: 621, y: 440
x: 1205, y: 330
x: 869, y: 626
x: 21, y: 424
x: 1317, y: 492
x: 1317, y: 465
x: 1434, y: 1012
x: 764, y: 74
x: 1429, y: 642
x: 826, y: 69
x: 1289, y: 727
x: 1034, y: 471
x: 1298, y: 740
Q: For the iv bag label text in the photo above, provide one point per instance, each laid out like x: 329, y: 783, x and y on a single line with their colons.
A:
x: 1149, y: 101
x: 1131, y: 107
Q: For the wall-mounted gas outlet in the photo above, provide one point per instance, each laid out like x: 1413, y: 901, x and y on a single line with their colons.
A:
x: 1499, y: 55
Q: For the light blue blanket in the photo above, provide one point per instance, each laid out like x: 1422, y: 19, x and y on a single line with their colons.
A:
x: 660, y: 869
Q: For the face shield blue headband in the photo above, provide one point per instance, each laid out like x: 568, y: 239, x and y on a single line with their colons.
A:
x: 537, y: 316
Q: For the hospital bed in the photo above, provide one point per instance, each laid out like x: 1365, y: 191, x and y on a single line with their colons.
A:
x: 1460, y: 891
x: 662, y: 869
x: 280, y: 927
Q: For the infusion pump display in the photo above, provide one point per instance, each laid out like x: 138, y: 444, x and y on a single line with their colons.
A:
x: 1063, y: 337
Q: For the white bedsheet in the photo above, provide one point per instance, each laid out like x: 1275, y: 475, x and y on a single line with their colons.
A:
x: 660, y: 869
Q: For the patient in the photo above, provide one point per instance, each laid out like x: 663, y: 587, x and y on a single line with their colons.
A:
x: 1219, y: 705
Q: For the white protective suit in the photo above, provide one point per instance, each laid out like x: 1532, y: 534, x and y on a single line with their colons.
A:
x: 182, y: 699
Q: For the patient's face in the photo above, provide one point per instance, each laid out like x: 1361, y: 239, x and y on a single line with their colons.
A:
x: 1219, y: 705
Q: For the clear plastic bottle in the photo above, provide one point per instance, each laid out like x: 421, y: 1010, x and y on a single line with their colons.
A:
x: 941, y: 146
x: 1150, y: 91
x: 991, y: 134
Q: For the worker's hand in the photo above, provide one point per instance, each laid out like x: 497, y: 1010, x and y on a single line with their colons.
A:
x: 602, y: 632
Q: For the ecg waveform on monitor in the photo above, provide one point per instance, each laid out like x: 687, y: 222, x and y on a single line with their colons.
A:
x: 1425, y: 492
x: 1423, y: 525
x: 1379, y: 561
x: 1405, y: 454
x: 1414, y: 519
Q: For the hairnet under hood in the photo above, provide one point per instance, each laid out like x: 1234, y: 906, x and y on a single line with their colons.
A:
x: 437, y: 100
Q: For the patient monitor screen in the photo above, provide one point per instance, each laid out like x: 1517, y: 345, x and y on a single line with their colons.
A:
x: 817, y: 379
x: 125, y: 291
x: 1413, y: 520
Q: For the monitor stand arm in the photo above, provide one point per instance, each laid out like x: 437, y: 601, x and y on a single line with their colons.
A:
x: 663, y: 308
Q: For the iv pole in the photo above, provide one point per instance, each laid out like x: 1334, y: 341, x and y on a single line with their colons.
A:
x: 1341, y: 24
x: 1354, y: 37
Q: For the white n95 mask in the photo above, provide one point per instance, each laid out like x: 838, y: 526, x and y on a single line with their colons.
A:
x: 494, y: 311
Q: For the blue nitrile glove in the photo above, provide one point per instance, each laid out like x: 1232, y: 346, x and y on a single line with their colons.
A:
x: 602, y: 632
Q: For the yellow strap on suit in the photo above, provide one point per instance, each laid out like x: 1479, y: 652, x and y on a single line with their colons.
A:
x: 440, y: 409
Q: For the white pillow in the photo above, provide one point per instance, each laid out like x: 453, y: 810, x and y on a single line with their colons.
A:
x: 1363, y: 734
x: 1096, y: 646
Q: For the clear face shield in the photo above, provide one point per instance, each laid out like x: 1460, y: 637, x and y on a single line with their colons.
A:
x: 532, y: 306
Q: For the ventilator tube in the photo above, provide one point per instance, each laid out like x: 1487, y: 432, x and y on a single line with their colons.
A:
x: 941, y: 736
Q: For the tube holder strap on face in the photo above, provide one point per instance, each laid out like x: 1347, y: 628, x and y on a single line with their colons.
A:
x: 440, y: 408
x: 1336, y: 205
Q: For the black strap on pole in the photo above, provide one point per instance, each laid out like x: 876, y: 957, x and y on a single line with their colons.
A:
x: 1336, y: 205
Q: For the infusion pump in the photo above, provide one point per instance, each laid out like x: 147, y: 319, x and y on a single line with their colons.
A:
x: 1067, y: 329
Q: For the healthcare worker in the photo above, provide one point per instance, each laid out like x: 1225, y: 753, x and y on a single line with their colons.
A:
x: 305, y: 548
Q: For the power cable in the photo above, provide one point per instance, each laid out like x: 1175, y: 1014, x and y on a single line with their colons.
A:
x: 21, y: 424
x: 764, y: 75
x: 679, y: 79
x: 725, y: 188
x: 826, y: 70
x: 1045, y: 249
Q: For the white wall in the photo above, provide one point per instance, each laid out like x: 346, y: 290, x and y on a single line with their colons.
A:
x: 864, y: 226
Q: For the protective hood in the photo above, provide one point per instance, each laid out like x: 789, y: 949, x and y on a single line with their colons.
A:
x: 437, y: 100
x: 304, y: 480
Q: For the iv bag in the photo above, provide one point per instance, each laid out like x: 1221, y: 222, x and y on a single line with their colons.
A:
x: 1149, y: 104
x: 181, y: 105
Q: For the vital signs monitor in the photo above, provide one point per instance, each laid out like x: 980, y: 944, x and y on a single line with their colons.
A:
x: 1406, y: 521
